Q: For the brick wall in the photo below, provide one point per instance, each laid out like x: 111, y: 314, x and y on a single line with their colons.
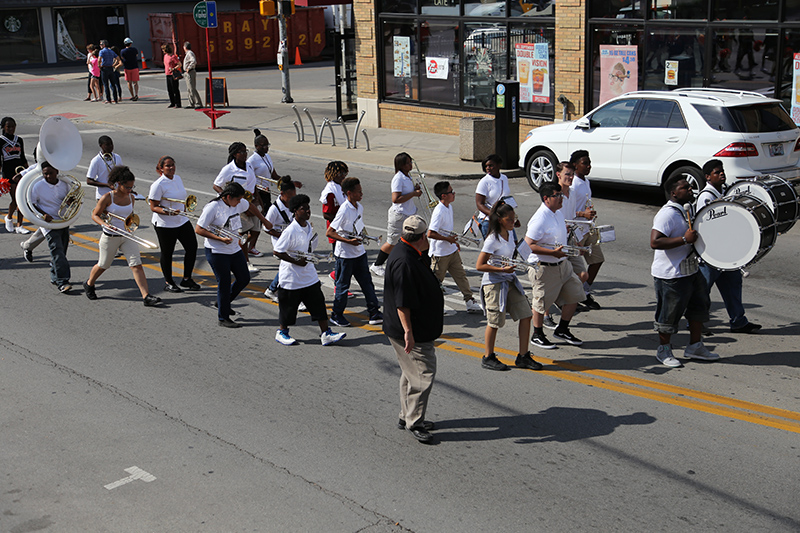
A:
x: 570, y: 54
x: 366, y: 48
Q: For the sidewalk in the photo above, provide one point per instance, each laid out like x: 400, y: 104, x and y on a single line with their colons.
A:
x: 437, y: 155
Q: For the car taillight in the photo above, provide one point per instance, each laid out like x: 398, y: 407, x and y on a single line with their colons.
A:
x: 738, y: 150
x: 797, y: 145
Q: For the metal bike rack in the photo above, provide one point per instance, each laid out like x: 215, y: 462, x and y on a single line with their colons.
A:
x: 358, y: 125
x: 340, y: 120
x: 366, y: 139
x: 301, y: 133
x: 327, y: 122
x: 317, y: 140
x: 297, y: 130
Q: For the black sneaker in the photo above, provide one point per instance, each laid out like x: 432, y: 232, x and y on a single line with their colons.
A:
x: 591, y: 303
x: 89, y: 291
x: 567, y: 337
x: 28, y: 255
x: 190, y: 284
x: 150, y: 300
x: 526, y: 361
x: 426, y: 425
x: 542, y: 342
x: 491, y: 362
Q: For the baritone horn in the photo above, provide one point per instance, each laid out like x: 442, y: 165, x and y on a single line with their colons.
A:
x: 60, y: 145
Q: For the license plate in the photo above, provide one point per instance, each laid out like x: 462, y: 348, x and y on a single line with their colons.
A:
x: 775, y: 149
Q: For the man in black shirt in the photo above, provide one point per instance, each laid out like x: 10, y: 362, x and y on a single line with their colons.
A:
x: 130, y: 63
x: 413, y: 319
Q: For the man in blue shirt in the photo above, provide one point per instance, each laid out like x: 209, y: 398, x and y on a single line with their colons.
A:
x: 107, y: 57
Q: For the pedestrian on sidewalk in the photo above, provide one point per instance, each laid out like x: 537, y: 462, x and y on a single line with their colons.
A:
x: 172, y: 66
x: 190, y: 70
x: 94, y: 71
x: 130, y: 63
x: 107, y: 57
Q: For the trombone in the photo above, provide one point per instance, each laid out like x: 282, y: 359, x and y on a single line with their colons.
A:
x: 263, y: 183
x: 225, y: 233
x: 431, y: 199
x: 190, y: 204
x: 131, y: 224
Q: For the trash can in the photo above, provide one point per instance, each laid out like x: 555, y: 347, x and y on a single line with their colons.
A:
x: 476, y: 138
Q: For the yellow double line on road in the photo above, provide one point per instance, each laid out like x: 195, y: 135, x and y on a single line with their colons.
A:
x: 643, y: 388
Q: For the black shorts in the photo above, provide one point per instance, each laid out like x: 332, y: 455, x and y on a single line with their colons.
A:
x: 289, y: 301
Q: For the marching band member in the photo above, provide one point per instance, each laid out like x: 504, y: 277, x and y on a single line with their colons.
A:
x: 404, y: 190
x: 680, y: 287
x: 279, y: 215
x: 444, y: 249
x: 239, y: 171
x: 583, y: 203
x: 501, y: 291
x: 351, y: 258
x: 220, y: 221
x: 12, y: 155
x: 119, y: 201
x: 492, y: 188
x: 729, y: 283
x: 101, y: 165
x: 37, y: 237
x: 171, y: 226
x: 332, y: 196
x: 47, y: 196
x: 554, y: 281
x: 299, y: 281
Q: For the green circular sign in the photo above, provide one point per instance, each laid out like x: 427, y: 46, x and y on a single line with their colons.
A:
x: 200, y: 14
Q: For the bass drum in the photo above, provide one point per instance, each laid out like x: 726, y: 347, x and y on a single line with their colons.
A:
x: 734, y: 232
x: 774, y: 191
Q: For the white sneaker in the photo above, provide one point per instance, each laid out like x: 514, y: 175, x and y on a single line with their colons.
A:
x: 252, y: 268
x: 284, y: 338
x: 378, y: 270
x: 329, y: 337
x: 665, y: 357
x: 698, y: 350
x: 10, y: 225
x: 22, y: 230
x: 473, y: 306
x: 271, y: 295
x: 302, y: 307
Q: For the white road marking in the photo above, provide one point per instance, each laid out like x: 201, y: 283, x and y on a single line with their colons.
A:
x: 135, y: 473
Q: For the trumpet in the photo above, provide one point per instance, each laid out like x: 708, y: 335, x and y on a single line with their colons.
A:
x: 572, y: 251
x: 462, y: 239
x: 518, y: 264
x: 311, y: 257
x: 364, y: 237
x: 190, y: 202
x: 131, y: 225
x: 225, y: 233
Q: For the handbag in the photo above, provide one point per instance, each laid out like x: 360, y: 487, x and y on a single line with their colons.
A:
x: 176, y: 75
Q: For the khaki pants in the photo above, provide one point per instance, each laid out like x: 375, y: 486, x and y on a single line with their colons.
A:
x: 452, y: 264
x: 418, y: 370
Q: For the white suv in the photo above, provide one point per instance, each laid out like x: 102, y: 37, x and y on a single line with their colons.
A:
x: 645, y: 137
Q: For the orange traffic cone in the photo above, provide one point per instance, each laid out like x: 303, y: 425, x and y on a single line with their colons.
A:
x: 144, y: 65
x: 297, y: 60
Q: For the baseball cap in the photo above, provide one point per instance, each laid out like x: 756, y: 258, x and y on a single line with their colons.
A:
x: 128, y: 40
x: 415, y: 224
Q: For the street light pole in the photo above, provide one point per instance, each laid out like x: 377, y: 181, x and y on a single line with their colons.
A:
x: 283, y: 55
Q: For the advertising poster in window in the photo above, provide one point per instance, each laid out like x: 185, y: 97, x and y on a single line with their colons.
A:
x: 402, y: 56
x: 436, y: 68
x: 533, y: 72
x: 796, y: 89
x: 619, y: 71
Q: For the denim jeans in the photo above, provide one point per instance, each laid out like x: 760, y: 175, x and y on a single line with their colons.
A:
x: 58, y: 241
x: 223, y: 266
x: 274, y: 285
x: 729, y: 285
x: 358, y: 268
x: 680, y: 296
x: 106, y: 74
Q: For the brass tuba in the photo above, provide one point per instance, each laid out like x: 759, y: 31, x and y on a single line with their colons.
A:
x: 60, y: 145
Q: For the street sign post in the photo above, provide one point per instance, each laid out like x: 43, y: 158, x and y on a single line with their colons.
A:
x: 205, y: 15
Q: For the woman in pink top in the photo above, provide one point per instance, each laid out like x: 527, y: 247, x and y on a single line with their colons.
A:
x: 172, y: 64
x: 94, y: 70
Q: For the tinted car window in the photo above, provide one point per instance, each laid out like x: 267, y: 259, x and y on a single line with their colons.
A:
x: 614, y: 115
x: 759, y: 118
x: 659, y: 114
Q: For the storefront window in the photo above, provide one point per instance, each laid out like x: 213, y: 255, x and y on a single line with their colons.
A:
x: 77, y: 27
x: 725, y: 10
x: 540, y: 8
x: 678, y: 9
x: 532, y: 61
x: 399, y: 6
x: 616, y: 67
x: 20, y: 39
x: 791, y: 10
x: 789, y: 90
x: 487, y: 8
x: 441, y: 7
x: 615, y: 9
x: 744, y: 58
x: 440, y: 66
x: 674, y: 58
x: 400, y: 60
x: 485, y: 55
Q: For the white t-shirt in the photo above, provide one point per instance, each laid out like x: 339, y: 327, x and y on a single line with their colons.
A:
x: 568, y: 206
x: 220, y: 214
x: 290, y: 276
x: 442, y: 223
x: 334, y: 188
x: 262, y: 166
x: 230, y: 172
x: 494, y: 189
x: 671, y: 222
x: 707, y: 195
x: 495, y: 244
x: 275, y: 218
x: 546, y: 227
x: 349, y: 218
x: 173, y: 188
x: 582, y: 192
x: 47, y: 198
x: 404, y: 185
x: 99, y: 169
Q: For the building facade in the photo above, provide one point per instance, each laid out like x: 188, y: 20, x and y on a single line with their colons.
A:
x: 425, y: 64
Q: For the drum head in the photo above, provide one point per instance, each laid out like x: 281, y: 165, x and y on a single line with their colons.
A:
x: 778, y: 194
x: 733, y: 232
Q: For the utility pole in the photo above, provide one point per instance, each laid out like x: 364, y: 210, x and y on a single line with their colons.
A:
x: 283, y: 53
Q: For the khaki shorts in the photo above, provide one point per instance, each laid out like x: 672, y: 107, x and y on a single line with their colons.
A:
x: 394, y: 228
x: 108, y: 249
x: 517, y: 305
x: 597, y: 253
x: 555, y: 284
x: 249, y: 223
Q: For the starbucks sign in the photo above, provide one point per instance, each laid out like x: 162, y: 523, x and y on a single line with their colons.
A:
x: 12, y: 24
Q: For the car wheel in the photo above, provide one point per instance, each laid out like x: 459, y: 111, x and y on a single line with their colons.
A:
x: 541, y: 168
x: 693, y: 175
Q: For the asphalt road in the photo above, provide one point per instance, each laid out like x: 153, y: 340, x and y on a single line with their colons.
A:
x: 234, y: 432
